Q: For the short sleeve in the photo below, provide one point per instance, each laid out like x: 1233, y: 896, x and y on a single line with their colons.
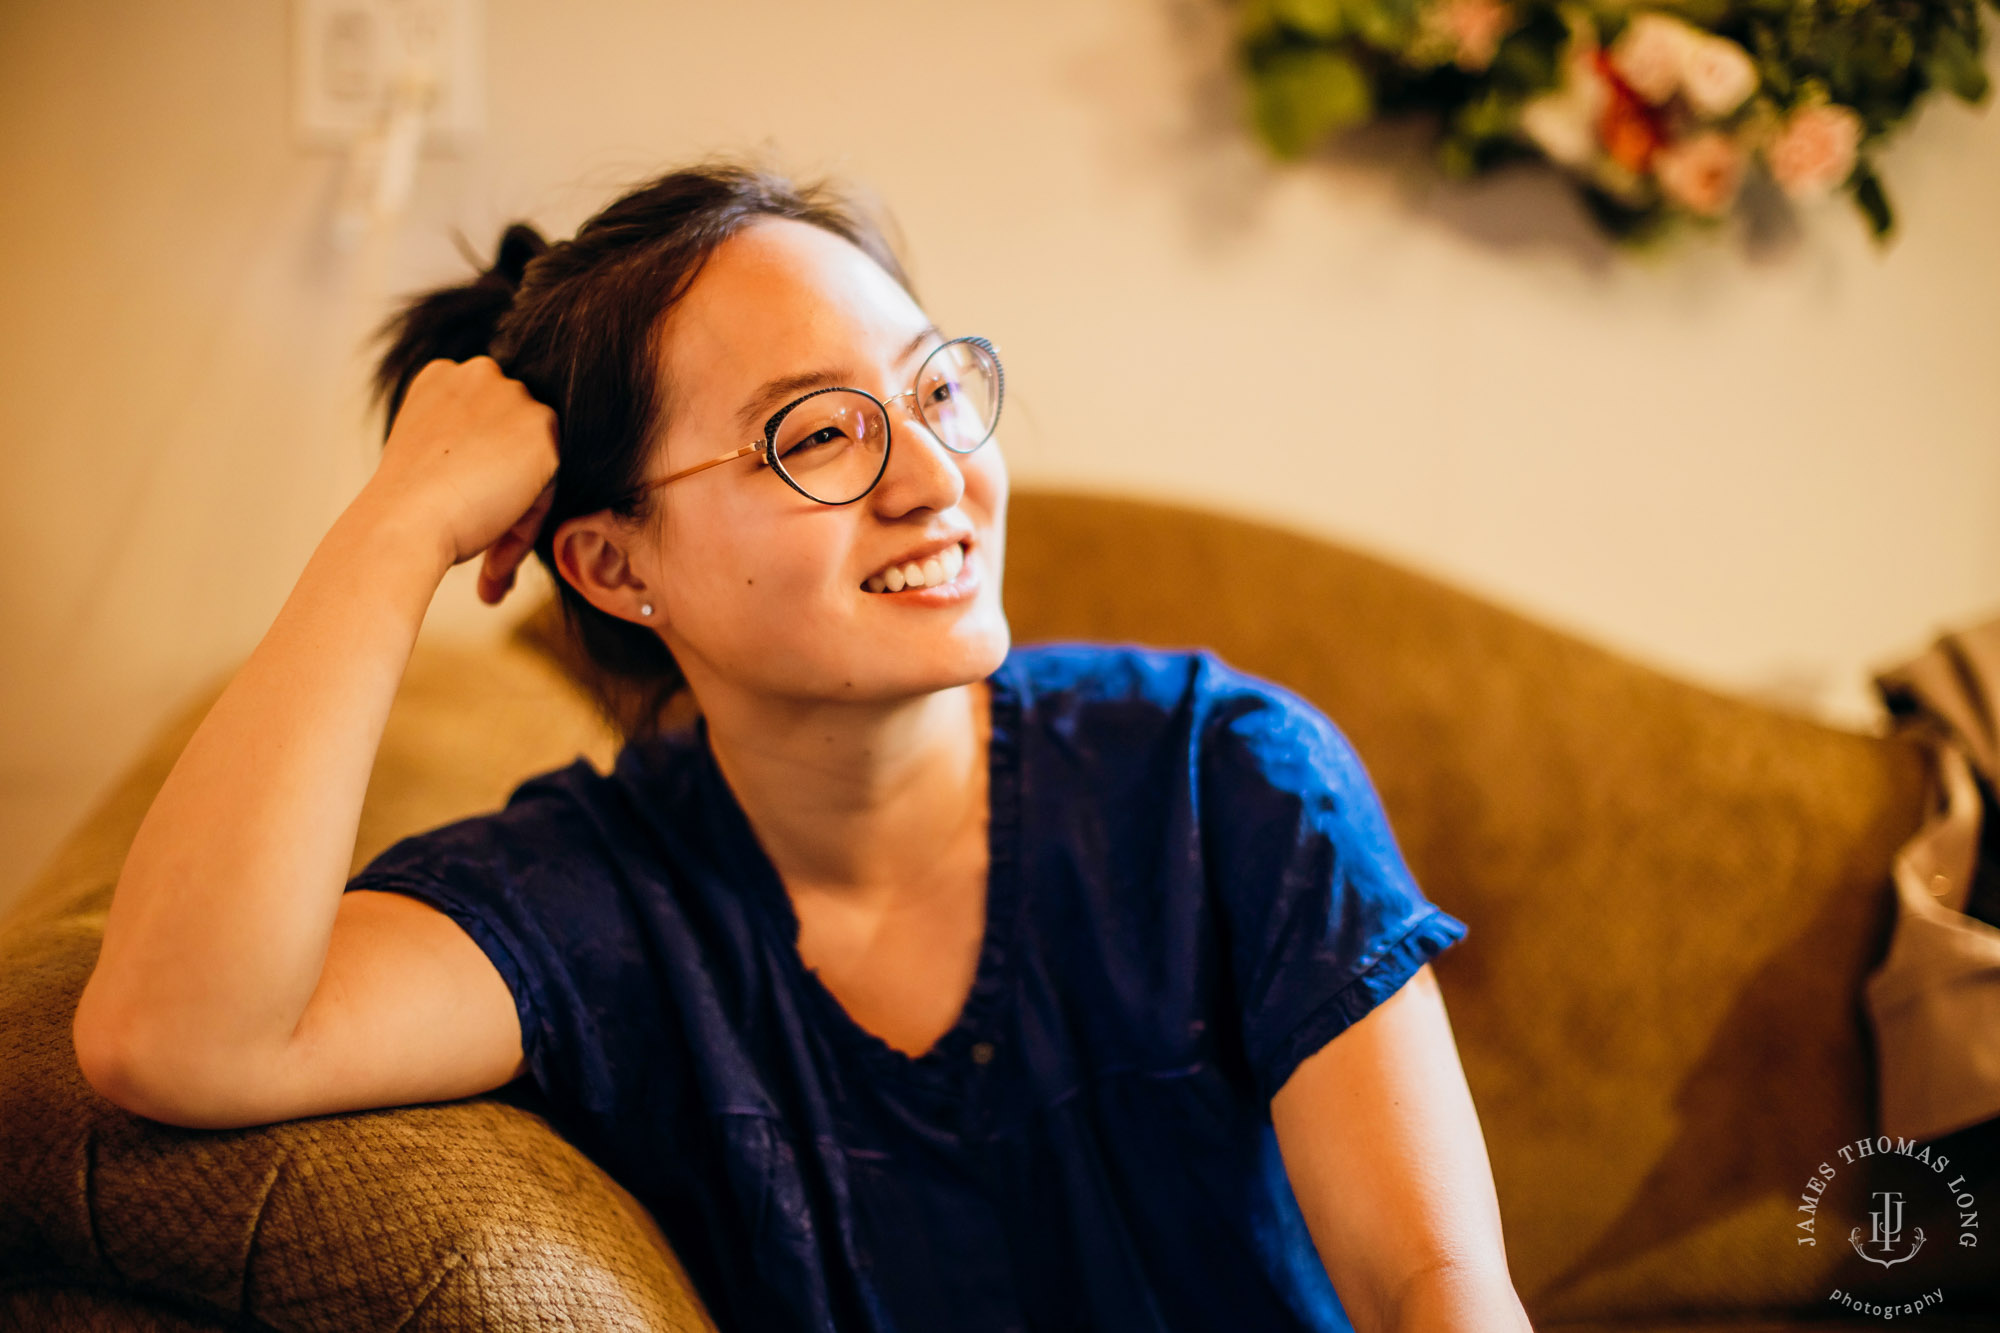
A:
x: 535, y: 886
x: 1323, y: 918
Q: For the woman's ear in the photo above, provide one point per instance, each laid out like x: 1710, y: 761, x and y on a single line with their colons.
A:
x: 592, y: 554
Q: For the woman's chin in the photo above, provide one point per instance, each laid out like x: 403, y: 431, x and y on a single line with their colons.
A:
x: 911, y: 663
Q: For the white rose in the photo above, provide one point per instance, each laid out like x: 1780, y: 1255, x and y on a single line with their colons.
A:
x: 1716, y: 75
x: 1563, y: 124
x: 1701, y: 172
x: 1562, y: 127
x: 1814, y: 150
x: 1651, y: 54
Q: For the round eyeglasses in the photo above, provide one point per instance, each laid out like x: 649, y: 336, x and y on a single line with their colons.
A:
x: 832, y: 445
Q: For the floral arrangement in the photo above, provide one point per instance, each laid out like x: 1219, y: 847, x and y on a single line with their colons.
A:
x: 1659, y: 111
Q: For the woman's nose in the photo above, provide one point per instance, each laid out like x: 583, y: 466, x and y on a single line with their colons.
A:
x: 922, y: 473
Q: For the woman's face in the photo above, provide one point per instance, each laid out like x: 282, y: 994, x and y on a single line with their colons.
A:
x: 760, y: 589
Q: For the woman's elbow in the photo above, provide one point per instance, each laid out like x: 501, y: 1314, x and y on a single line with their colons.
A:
x: 1474, y: 1299
x: 134, y: 1069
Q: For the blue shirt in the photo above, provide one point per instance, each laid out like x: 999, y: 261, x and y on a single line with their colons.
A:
x: 1192, y: 888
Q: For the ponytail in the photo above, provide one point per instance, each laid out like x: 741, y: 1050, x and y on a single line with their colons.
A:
x: 453, y: 323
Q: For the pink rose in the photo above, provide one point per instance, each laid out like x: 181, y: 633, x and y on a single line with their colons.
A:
x: 1814, y: 150
x: 1476, y: 27
x: 1468, y: 31
x: 1701, y: 172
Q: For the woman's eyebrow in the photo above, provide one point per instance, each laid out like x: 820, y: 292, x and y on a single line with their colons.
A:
x: 767, y: 398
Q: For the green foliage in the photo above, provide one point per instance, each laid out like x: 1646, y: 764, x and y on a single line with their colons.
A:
x: 1304, y: 95
x: 1954, y: 63
x: 1868, y: 193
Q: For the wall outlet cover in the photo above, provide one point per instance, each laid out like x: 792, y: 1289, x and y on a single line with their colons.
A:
x: 351, y: 59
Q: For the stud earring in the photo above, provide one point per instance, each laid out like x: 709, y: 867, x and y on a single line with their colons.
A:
x: 645, y: 608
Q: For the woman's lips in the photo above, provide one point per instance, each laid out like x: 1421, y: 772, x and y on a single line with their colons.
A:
x: 960, y: 586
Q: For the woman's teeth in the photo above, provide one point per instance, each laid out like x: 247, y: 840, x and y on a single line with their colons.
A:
x: 927, y: 573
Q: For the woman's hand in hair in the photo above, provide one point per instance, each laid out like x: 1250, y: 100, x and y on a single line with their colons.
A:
x: 473, y: 456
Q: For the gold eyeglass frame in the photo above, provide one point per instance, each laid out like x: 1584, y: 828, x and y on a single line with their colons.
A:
x: 769, y: 443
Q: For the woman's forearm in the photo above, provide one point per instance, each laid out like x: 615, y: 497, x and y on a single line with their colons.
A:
x: 218, y: 928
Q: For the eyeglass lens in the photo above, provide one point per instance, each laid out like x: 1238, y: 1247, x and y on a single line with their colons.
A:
x: 834, y: 444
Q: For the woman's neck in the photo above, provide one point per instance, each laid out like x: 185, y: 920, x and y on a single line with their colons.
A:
x: 860, y: 800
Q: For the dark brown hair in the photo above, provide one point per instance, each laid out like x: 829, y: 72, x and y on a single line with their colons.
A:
x: 577, y: 323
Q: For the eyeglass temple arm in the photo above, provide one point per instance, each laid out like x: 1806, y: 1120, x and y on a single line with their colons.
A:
x: 713, y: 462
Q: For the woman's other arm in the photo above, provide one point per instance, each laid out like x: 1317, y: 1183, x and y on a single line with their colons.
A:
x: 237, y: 983
x: 1384, y: 1152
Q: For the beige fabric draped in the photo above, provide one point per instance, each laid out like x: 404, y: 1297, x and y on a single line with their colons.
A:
x: 1934, y: 1001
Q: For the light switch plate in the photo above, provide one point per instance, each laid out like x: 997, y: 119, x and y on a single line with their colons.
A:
x: 349, y: 55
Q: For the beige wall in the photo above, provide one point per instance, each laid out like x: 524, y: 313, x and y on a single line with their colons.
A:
x: 1769, y: 472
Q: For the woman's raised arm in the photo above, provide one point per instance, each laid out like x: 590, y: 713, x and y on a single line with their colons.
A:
x: 237, y: 984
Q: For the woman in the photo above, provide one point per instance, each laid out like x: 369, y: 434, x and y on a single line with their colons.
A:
x: 921, y: 981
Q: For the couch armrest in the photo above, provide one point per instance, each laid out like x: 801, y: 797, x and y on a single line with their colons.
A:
x: 464, y: 1214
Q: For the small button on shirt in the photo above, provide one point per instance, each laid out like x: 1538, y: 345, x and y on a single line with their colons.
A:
x: 1191, y: 887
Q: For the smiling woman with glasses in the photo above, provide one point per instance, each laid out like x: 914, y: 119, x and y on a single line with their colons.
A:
x: 922, y: 980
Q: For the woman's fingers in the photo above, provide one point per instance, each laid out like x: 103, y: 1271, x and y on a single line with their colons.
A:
x: 496, y: 578
x: 504, y: 557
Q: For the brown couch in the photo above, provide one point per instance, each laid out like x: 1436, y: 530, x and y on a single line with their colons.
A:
x: 1672, y: 899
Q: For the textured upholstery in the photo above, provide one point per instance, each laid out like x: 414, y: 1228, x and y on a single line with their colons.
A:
x: 1672, y: 897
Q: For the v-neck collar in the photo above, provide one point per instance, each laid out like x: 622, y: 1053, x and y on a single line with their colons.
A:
x: 744, y: 856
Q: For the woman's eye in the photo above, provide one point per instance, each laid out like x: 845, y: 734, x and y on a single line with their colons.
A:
x: 944, y: 392
x: 824, y: 435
